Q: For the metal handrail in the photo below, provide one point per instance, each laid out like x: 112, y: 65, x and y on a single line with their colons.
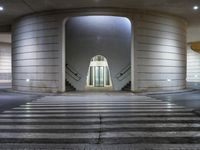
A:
x: 72, y: 72
x: 124, y: 73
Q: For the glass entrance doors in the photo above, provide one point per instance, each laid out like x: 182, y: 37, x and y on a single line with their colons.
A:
x: 98, y: 73
x: 99, y: 76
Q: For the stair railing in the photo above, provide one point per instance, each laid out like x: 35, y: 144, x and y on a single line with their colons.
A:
x: 124, y: 73
x: 72, y: 72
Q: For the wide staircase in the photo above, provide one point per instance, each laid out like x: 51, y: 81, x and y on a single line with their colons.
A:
x: 99, y: 121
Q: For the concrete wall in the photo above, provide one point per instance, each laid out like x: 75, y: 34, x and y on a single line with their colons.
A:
x: 193, y: 68
x: 89, y: 36
x: 158, y: 51
x: 5, y: 65
x: 35, y: 48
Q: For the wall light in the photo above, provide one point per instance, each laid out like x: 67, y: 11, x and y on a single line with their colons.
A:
x: 195, y: 75
x: 169, y: 80
x: 1, y: 8
x: 27, y: 80
x: 195, y: 7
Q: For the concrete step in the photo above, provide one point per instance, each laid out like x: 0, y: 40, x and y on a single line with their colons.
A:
x: 116, y: 121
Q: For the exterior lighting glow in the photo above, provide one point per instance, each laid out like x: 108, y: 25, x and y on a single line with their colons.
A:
x: 169, y: 80
x: 195, y: 7
x: 1, y: 8
x: 27, y: 80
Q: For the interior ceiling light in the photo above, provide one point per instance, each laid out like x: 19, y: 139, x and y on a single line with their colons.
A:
x: 1, y: 8
x: 195, y: 7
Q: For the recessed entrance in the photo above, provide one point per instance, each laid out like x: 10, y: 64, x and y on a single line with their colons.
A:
x: 98, y: 73
x: 97, y: 49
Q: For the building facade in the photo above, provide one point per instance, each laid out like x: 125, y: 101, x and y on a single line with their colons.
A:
x: 152, y: 57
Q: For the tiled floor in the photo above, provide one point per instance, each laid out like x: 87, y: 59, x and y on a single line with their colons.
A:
x: 99, y: 121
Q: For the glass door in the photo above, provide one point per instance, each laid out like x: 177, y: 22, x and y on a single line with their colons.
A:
x: 99, y: 76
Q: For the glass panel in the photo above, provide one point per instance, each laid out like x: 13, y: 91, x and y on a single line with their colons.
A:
x: 91, y: 76
x: 96, y: 76
x: 101, y: 76
x: 107, y: 76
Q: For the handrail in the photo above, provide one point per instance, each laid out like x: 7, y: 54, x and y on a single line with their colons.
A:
x: 125, y: 72
x: 72, y: 72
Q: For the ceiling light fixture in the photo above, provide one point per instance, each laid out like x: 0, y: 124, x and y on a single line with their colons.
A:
x: 1, y: 8
x: 195, y: 7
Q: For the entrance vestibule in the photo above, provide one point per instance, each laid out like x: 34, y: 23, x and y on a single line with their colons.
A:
x: 98, y: 73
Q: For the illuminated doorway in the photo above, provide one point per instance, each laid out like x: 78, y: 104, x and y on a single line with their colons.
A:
x: 99, y: 74
x: 89, y: 36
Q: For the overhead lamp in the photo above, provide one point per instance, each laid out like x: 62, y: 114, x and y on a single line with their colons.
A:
x: 195, y: 7
x: 1, y: 8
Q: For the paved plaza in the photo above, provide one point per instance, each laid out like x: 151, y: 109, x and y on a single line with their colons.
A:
x: 94, y: 121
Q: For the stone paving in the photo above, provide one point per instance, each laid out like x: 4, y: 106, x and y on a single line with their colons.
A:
x: 98, y: 121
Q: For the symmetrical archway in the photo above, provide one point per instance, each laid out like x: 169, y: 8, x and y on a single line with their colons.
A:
x: 106, y: 37
x: 98, y: 73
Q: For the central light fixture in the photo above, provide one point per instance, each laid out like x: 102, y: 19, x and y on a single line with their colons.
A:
x: 195, y: 7
x: 1, y: 8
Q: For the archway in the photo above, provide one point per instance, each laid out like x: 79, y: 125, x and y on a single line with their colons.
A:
x: 98, y: 76
x: 89, y: 36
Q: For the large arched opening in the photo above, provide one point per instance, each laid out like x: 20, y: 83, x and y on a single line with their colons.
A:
x: 89, y: 36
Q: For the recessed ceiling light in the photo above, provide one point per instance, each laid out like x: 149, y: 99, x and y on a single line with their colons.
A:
x: 1, y: 8
x: 195, y: 7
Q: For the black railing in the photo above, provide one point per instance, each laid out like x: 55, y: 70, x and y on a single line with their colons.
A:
x: 124, y: 73
x: 72, y: 72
